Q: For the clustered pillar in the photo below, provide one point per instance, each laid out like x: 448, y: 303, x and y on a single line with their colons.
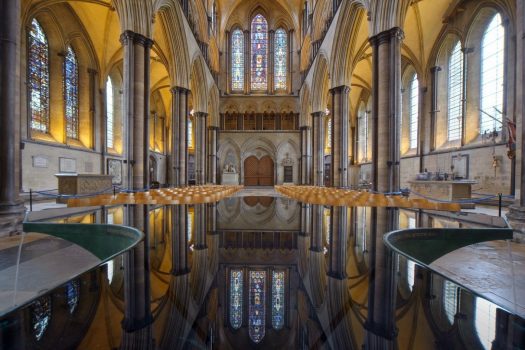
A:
x: 179, y: 137
x: 318, y: 147
x: 340, y: 129
x: 212, y: 154
x: 201, y: 127
x: 306, y: 152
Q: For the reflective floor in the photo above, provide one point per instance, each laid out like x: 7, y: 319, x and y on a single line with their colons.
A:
x: 267, y: 272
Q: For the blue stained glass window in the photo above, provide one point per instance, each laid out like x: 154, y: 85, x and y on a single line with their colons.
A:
x: 237, y: 60
x: 110, y: 121
x: 259, y: 53
x: 72, y: 293
x: 71, y: 93
x: 41, y: 316
x: 38, y: 78
x: 236, y: 298
x: 455, y: 93
x: 278, y: 306
x: 257, y: 306
x: 280, y: 59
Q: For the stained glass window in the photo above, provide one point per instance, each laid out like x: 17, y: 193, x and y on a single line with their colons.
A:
x: 280, y: 59
x: 278, y: 299
x: 414, y: 111
x: 236, y: 298
x: 328, y: 142
x: 455, y: 93
x: 38, y: 78
x: 71, y: 93
x: 41, y: 316
x: 259, y: 53
x: 72, y: 293
x: 237, y: 60
x: 257, y: 306
x: 363, y: 132
x: 492, y: 75
x: 110, y: 122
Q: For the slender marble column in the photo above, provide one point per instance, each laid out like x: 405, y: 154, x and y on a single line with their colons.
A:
x: 340, y: 129
x: 386, y: 108
x: 11, y: 207
x: 201, y: 127
x: 318, y: 147
x: 306, y: 155
x: 316, y: 241
x: 338, y: 242
x: 136, y: 105
x: 179, y: 137
x: 179, y: 217
x: 247, y: 62
x: 271, y: 61
x: 200, y: 226
x: 212, y: 154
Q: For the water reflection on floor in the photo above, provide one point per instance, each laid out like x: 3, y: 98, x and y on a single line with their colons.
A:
x: 263, y: 272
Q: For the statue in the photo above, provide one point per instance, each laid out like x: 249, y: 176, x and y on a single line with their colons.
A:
x: 229, y: 168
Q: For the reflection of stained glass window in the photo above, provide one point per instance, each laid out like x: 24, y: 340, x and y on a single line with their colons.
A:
x: 189, y: 225
x: 109, y: 113
x: 72, y: 292
x: 236, y: 298
x: 450, y: 300
x: 259, y: 53
x: 256, y: 307
x: 326, y: 222
x: 280, y: 59
x: 71, y: 93
x: 278, y: 299
x: 237, y: 60
x: 41, y: 316
x: 38, y: 78
x: 485, y: 322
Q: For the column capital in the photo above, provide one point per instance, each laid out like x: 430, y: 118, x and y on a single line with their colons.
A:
x: 305, y: 127
x: 200, y: 114
x: 435, y: 69
x: 342, y: 89
x: 213, y: 128
x: 179, y: 89
x: 387, y: 36
x: 319, y: 114
x: 129, y: 36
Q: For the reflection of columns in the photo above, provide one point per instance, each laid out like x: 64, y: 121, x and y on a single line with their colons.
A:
x: 201, y: 127
x: 338, y: 242
x: 137, y: 313
x: 212, y: 154
x: 316, y: 241
x: 179, y: 136
x: 380, y: 322
x: 306, y: 154
x: 318, y: 147
x: 306, y: 219
x: 271, y: 61
x: 340, y: 128
x: 179, y: 233
x: 228, y: 62
x: 247, y: 62
x: 386, y: 106
x: 11, y: 207
x: 200, y: 227
x: 136, y: 105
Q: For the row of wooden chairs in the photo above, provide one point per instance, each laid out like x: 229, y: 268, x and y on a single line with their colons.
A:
x: 163, y: 196
x: 349, y: 198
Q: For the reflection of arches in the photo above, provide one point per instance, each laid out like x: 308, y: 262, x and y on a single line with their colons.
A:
x: 258, y: 172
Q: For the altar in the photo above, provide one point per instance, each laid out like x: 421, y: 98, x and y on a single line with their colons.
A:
x: 78, y: 184
x: 230, y: 179
x: 442, y: 190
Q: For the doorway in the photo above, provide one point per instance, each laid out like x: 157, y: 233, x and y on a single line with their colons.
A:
x: 258, y: 172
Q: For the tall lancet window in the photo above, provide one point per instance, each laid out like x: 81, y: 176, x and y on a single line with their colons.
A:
x: 236, y: 298
x: 414, y: 111
x: 278, y: 299
x: 38, y: 78
x: 257, y: 306
x: 110, y: 121
x: 280, y: 59
x: 259, y: 53
x: 237, y: 63
x: 455, y: 93
x: 362, y: 124
x: 492, y: 75
x: 71, y: 93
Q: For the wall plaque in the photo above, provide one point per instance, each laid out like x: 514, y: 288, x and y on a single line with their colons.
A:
x: 67, y: 165
x: 40, y: 162
x: 115, y: 169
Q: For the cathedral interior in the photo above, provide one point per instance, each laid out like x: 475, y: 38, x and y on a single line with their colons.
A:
x: 253, y: 174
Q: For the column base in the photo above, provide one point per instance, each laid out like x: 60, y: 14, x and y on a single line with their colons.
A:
x: 337, y: 275
x: 11, y: 219
x: 516, y: 218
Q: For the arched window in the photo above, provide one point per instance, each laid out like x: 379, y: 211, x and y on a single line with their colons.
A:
x: 110, y: 121
x: 485, y: 322
x: 190, y: 132
x: 110, y: 270
x: 328, y: 143
x: 259, y: 61
x: 455, y: 93
x: 72, y: 295
x: 237, y: 63
x: 414, y: 111
x: 38, y: 78
x: 41, y: 316
x: 492, y: 75
x: 280, y: 59
x: 278, y: 300
x: 236, y: 298
x: 411, y: 267
x: 363, y: 132
x: 71, y: 93
x: 257, y: 306
x: 450, y: 300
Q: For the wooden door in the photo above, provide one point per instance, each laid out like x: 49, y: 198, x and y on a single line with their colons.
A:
x: 265, y: 171
x: 258, y: 172
x: 251, y: 165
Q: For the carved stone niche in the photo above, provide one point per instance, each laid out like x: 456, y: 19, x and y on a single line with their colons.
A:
x: 287, y: 164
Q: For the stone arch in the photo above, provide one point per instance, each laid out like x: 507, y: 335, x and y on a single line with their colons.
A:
x: 213, y: 106
x: 229, y: 152
x: 386, y: 15
x: 306, y: 107
x: 198, y: 85
x: 320, y: 84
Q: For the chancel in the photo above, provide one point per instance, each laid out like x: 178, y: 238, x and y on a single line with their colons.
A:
x: 252, y: 174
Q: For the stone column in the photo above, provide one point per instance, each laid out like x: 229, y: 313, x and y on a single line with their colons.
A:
x: 386, y: 108
x: 434, y: 108
x: 179, y: 217
x: 271, y: 61
x: 306, y: 219
x: 179, y: 137
x: 316, y: 241
x: 340, y: 129
x: 212, y: 154
x: 201, y: 127
x: 200, y: 227
x: 11, y: 207
x: 136, y: 105
x: 338, y: 242
x: 306, y: 155
x: 318, y: 147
